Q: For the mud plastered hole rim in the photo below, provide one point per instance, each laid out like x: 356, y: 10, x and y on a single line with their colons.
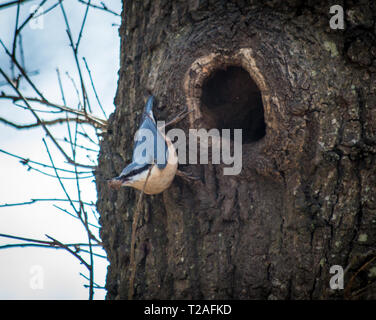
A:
x: 228, y: 92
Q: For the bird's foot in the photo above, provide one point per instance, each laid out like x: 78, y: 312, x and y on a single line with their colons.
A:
x: 186, y: 176
x: 179, y: 117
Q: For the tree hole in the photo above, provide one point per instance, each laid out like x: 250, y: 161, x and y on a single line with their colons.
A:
x: 230, y: 99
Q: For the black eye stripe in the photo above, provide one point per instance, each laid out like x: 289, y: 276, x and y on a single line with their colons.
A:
x: 134, y: 172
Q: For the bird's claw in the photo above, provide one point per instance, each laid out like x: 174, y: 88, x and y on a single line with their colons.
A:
x: 179, y: 117
x: 186, y: 176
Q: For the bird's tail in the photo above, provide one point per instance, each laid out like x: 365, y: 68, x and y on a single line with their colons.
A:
x: 149, y: 105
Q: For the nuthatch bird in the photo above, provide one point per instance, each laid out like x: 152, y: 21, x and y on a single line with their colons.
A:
x: 158, y: 156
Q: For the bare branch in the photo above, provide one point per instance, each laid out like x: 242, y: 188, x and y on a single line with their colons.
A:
x: 61, y: 86
x: 26, y: 161
x: 14, y: 60
x: 42, y: 125
x: 78, y: 145
x: 76, y: 119
x: 96, y: 122
x: 82, y: 25
x: 104, y: 7
x: 132, y: 262
x: 47, y: 10
x: 60, y: 182
x: 74, y: 253
x: 96, y: 286
x: 20, y: 44
x: 53, y: 176
x: 37, y: 110
x: 12, y: 3
x: 92, y: 85
x: 75, y: 54
x: 47, y: 246
x: 86, y: 135
x: 18, y: 30
x: 72, y: 215
x: 44, y: 122
x: 44, y: 242
x: 15, y: 38
x: 41, y: 200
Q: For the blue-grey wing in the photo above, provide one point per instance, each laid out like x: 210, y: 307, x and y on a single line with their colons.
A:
x: 131, y: 169
x: 150, y: 146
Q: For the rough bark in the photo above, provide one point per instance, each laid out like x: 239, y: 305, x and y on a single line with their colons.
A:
x: 306, y: 197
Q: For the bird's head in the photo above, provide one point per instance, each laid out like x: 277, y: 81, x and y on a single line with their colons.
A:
x: 133, y: 175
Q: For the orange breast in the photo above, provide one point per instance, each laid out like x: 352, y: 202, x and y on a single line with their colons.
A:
x: 160, y: 180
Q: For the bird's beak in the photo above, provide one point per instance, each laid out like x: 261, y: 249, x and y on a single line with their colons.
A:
x: 114, y: 183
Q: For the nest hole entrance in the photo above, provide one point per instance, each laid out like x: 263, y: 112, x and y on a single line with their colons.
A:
x: 230, y: 99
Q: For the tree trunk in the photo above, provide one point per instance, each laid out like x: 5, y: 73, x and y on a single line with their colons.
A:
x: 305, y: 199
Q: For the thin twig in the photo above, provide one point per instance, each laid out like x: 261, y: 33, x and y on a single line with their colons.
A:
x: 350, y: 283
x: 12, y: 3
x: 47, y: 10
x: 104, y: 8
x: 132, y: 261
x: 28, y: 245
x: 81, y: 119
x: 54, y: 176
x: 95, y: 285
x: 94, y: 254
x: 42, y: 125
x: 82, y: 210
x: 26, y: 161
x: 78, y: 211
x: 72, y: 215
x: 14, y: 60
x: 58, y: 178
x: 75, y: 54
x: 95, y: 121
x: 86, y: 135
x: 74, y: 253
x: 61, y: 86
x: 82, y: 25
x: 20, y: 44
x: 92, y: 85
x: 15, y: 38
x: 37, y: 110
x: 45, y: 122
x: 45, y: 242
x: 79, y: 146
x: 30, y: 17
x: 32, y: 201
x: 360, y: 291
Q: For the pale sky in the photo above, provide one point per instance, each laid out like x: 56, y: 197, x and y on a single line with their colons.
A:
x: 45, y: 50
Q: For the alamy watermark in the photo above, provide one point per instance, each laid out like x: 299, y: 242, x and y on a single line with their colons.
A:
x: 36, y: 281
x: 212, y: 142
x: 337, y: 21
x: 37, y: 22
x: 336, y: 281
